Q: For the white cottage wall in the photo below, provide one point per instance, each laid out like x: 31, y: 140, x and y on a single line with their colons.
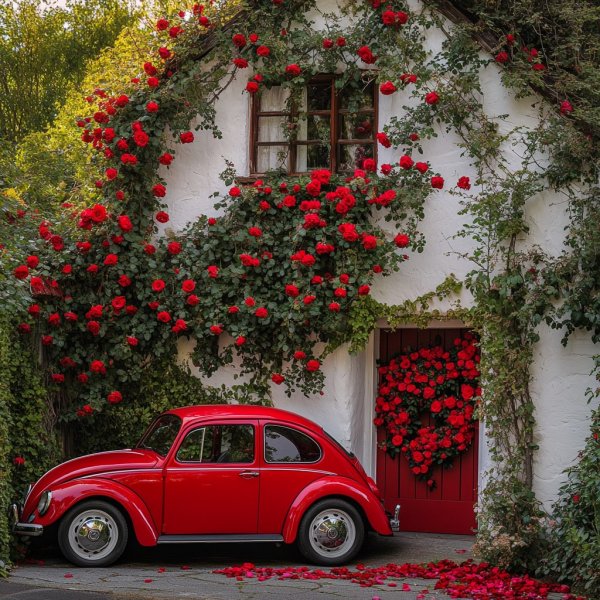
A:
x: 559, y: 375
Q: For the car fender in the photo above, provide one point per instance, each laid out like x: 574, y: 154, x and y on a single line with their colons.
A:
x: 66, y: 495
x: 340, y: 487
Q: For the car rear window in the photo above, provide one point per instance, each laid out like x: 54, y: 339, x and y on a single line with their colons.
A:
x: 287, y: 445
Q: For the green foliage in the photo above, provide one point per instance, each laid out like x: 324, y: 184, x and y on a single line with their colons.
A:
x: 574, y: 531
x: 43, y: 50
x: 164, y: 386
x: 28, y: 441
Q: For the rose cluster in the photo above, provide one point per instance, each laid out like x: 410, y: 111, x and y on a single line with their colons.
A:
x: 426, y: 401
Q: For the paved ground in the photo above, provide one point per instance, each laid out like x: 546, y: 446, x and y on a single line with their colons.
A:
x: 185, y: 571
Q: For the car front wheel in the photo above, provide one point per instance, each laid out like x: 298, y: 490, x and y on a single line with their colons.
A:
x: 93, y: 534
x: 331, y: 533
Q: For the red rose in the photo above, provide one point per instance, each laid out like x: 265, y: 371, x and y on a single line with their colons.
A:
x: 24, y: 328
x: 277, y: 378
x: 252, y: 87
x: 291, y: 290
x: 261, y: 312
x: 421, y: 167
x: 365, y: 54
x: 309, y: 299
x: 149, y: 249
x: 432, y: 98
x: 162, y: 217
x: 186, y: 137
x: 566, y: 107
x: 334, y: 307
x: 152, y: 106
x: 327, y: 43
x: 383, y: 139
x: 234, y: 310
x: 97, y: 366
x: 21, y: 272
x: 114, y: 397
x: 118, y: 302
x: 299, y: 355
x: 213, y: 271
x: 34, y: 310
x: 141, y: 138
x: 132, y: 340
x: 313, y: 365
x: 250, y: 301
x: 19, y: 461
x: 364, y: 290
x: 240, y: 63
x: 294, y: 70
x: 165, y: 159
x: 159, y: 190
x: 340, y: 292
x: 235, y: 192
x: 240, y: 340
x: 239, y: 40
x: 387, y: 88
x: 152, y: 82
x: 193, y: 300
x: 216, y: 329
x: 341, y: 42
x: 164, y: 53
x: 70, y: 316
x: 263, y: 51
x: 162, y: 24
x: 93, y: 327
x: 125, y: 223
x: 402, y: 240
x: 47, y: 340
x: 174, y: 248
x: 406, y: 162
x: 32, y: 261
x: 158, y: 285
x: 189, y: 285
x: 464, y: 183
x: 501, y: 57
x: 437, y: 182
x: 163, y: 316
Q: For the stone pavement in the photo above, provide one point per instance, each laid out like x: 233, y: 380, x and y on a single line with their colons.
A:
x: 185, y: 571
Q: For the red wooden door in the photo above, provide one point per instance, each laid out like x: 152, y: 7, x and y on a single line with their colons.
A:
x: 450, y: 506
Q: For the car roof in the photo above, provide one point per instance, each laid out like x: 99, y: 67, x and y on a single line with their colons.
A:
x: 243, y: 411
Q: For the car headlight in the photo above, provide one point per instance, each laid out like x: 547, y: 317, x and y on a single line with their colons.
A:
x: 44, y: 502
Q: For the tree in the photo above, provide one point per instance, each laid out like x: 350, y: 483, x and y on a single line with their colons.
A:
x: 44, y: 50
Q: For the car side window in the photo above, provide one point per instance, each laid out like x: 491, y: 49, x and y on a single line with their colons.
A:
x: 218, y: 444
x: 286, y: 445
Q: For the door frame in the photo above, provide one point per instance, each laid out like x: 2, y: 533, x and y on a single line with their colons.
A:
x: 371, y: 383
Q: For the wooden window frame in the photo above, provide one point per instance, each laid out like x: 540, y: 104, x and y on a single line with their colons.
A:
x: 335, y: 121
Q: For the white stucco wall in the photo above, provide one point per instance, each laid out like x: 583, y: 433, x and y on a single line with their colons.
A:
x: 560, y: 375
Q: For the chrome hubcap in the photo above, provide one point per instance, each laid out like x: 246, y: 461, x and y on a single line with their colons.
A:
x: 94, y: 534
x: 332, y: 533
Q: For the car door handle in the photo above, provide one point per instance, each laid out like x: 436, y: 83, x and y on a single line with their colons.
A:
x: 248, y: 474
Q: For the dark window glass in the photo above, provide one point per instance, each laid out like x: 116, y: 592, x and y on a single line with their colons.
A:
x: 218, y: 444
x: 285, y: 445
x: 161, y: 434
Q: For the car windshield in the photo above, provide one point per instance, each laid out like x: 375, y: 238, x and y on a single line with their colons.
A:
x: 161, y: 434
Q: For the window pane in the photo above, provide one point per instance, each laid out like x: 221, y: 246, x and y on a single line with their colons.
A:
x: 271, y: 158
x: 286, y: 445
x: 161, y: 434
x: 357, y: 99
x: 271, y: 129
x: 313, y: 156
x: 237, y: 444
x: 197, y: 446
x: 352, y: 156
x: 319, y: 96
x: 356, y: 127
x: 274, y: 98
x: 314, y: 127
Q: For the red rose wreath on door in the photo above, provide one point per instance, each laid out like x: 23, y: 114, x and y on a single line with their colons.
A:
x: 441, y: 384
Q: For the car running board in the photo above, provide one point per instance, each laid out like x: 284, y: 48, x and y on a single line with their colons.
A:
x: 212, y: 538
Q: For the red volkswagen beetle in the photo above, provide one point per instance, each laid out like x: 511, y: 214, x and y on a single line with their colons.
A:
x: 226, y: 473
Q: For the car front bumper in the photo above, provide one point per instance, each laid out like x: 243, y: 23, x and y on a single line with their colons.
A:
x: 19, y: 528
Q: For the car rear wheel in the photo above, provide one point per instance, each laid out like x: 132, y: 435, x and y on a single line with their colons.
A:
x: 93, y: 534
x: 331, y: 533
